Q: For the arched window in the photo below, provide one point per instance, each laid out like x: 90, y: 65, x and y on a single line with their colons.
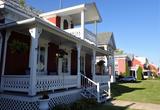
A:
x: 65, y: 24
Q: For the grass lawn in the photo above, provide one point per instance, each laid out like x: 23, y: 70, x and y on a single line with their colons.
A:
x: 108, y: 107
x: 143, y: 91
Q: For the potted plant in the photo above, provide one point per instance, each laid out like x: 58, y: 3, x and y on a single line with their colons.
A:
x: 43, y: 101
x: 18, y: 47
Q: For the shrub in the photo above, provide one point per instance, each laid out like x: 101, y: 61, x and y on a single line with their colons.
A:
x: 139, y: 73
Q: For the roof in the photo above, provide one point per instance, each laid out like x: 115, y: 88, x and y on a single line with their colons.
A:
x: 91, y: 13
x: 143, y: 60
x: 106, y: 38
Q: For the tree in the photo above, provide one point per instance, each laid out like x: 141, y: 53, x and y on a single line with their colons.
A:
x: 22, y: 2
x: 119, y: 52
x: 139, y: 73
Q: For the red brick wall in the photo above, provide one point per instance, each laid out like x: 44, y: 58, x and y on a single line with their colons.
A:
x: 17, y: 63
x: 74, y: 62
x: 56, y: 21
x: 88, y: 64
x: 122, y: 65
x: 52, y: 65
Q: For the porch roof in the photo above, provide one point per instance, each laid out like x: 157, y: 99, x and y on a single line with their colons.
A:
x: 91, y: 13
x: 37, y: 22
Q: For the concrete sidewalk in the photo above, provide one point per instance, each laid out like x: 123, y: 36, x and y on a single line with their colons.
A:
x: 135, y: 105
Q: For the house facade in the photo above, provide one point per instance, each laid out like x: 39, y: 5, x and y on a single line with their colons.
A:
x: 51, y: 52
x: 122, y: 64
x: 106, y: 41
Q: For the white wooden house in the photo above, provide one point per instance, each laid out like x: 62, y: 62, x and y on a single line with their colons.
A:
x: 51, y: 52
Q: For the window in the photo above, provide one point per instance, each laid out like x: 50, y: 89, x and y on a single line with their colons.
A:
x: 64, y: 65
x: 65, y: 24
x: 41, y: 59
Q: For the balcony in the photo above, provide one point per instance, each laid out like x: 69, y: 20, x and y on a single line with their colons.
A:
x: 88, y: 36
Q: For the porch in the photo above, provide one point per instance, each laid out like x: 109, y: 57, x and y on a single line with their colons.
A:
x: 42, y: 68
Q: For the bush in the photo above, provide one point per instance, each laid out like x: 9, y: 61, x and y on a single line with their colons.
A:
x: 139, y: 73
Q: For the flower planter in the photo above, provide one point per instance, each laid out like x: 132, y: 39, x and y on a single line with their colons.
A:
x: 43, y: 104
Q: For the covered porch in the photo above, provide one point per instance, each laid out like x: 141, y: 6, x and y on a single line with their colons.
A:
x: 50, y: 59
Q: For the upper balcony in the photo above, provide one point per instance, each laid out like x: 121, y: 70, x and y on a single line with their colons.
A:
x: 88, y: 35
x: 70, y: 18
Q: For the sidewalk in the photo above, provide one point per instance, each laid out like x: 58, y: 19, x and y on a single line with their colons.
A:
x: 135, y: 105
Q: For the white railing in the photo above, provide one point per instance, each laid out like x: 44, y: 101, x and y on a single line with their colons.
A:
x: 75, y: 31
x: 20, y: 83
x: 101, y: 78
x: 55, y: 82
x: 90, y: 86
x: 88, y: 36
x: 15, y: 83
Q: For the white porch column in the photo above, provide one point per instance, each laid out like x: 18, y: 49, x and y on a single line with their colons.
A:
x: 8, y: 33
x: 35, y: 34
x: 82, y: 23
x: 78, y: 65
x: 95, y: 23
x: 93, y: 64
x: 0, y: 45
x: 113, y: 71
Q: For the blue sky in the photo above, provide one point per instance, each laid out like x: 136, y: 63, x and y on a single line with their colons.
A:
x: 135, y: 23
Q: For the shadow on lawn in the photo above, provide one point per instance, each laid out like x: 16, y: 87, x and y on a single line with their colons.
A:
x: 119, y: 89
x: 111, y: 106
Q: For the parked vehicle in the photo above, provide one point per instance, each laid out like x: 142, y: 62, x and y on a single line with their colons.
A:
x: 128, y: 79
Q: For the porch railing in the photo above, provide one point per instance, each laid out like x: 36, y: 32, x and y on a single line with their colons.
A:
x: 55, y: 82
x: 20, y: 83
x: 88, y: 35
x: 101, y: 78
x: 15, y: 83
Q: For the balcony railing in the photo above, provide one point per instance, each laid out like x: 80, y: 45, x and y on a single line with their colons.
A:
x: 20, y: 83
x: 101, y: 78
x: 88, y: 36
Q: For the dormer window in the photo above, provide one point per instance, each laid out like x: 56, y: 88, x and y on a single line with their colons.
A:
x: 65, y: 24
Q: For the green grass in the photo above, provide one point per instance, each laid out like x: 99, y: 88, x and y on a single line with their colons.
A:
x: 143, y: 91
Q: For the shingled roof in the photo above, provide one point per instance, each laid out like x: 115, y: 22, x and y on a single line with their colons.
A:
x: 106, y: 38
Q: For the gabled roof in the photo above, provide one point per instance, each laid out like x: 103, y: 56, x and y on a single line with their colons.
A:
x: 106, y: 38
x: 91, y: 13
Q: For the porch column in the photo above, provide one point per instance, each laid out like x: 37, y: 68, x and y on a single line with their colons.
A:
x: 7, y: 35
x: 93, y: 64
x: 82, y: 23
x: 35, y: 34
x: 95, y: 22
x: 78, y: 65
x: 112, y: 71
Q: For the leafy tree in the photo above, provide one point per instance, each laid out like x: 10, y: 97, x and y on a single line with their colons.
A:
x: 139, y: 73
x: 119, y: 52
x: 22, y: 2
